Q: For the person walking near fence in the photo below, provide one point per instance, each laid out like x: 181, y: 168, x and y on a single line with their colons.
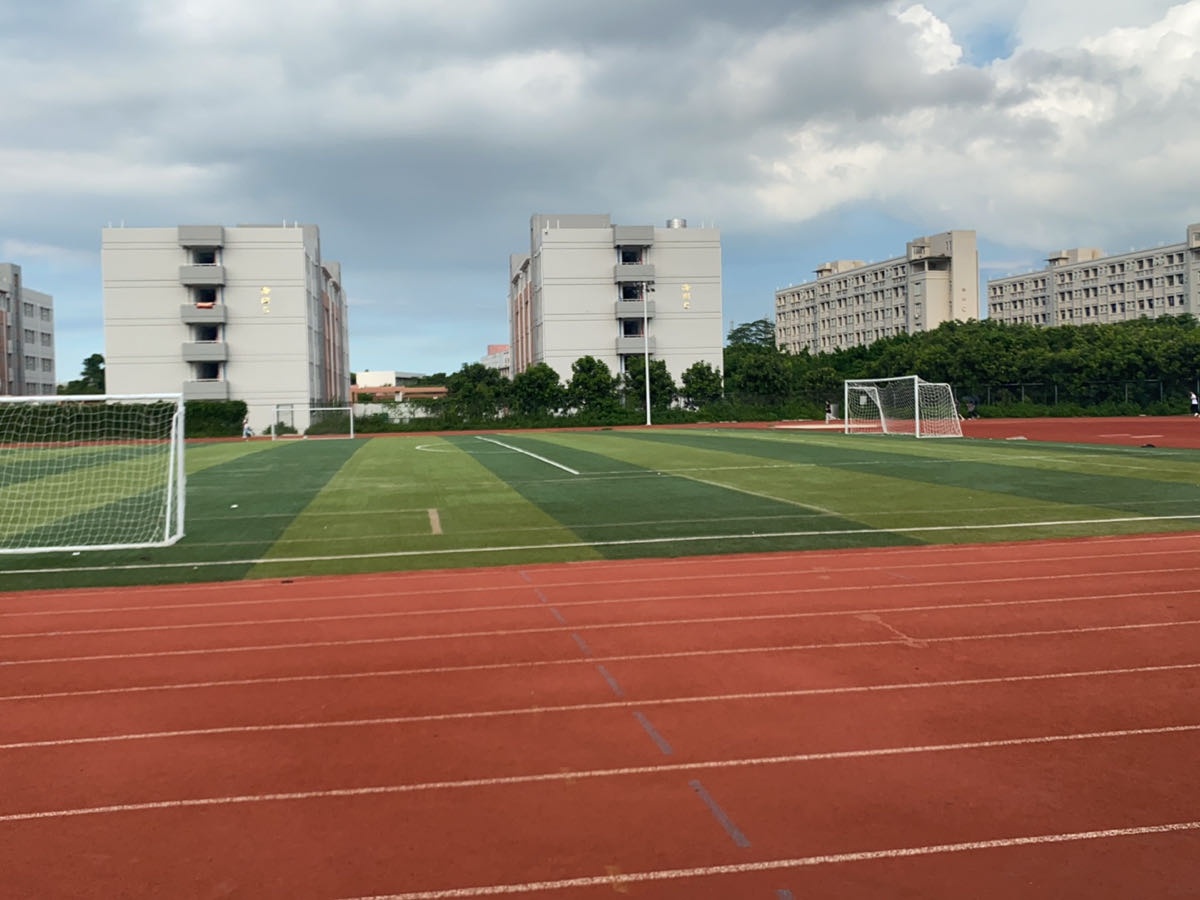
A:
x: 829, y: 410
x: 1195, y: 404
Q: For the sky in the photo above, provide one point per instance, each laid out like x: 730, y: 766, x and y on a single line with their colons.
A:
x: 422, y: 135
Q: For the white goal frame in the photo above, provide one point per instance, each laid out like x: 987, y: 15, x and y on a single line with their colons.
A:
x: 91, y: 472
x: 302, y: 419
x: 905, y: 404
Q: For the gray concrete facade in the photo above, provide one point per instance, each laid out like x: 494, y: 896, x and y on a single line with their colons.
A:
x: 249, y: 312
x: 588, y: 287
x: 27, y: 365
x: 1084, y: 286
x: 852, y: 303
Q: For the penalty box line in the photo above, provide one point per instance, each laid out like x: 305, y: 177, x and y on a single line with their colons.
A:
x: 528, y: 453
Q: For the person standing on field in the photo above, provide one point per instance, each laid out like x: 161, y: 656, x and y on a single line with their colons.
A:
x: 828, y: 411
x: 1195, y: 404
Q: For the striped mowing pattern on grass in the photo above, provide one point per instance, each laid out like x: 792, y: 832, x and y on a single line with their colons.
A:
x: 329, y: 507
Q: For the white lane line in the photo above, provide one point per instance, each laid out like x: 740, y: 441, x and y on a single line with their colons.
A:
x: 805, y: 562
x: 573, y: 660
x: 548, y: 462
x: 893, y: 583
x: 596, y: 626
x: 621, y: 772
x: 628, y: 542
x: 435, y: 521
x: 590, y: 707
x: 619, y: 880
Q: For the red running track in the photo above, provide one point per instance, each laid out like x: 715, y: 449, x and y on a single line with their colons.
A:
x: 1020, y: 720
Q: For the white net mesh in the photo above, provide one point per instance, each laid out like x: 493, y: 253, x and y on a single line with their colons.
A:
x: 90, y: 473
x: 904, y: 405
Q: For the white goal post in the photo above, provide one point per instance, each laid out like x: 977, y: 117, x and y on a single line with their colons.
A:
x: 289, y: 421
x: 902, y: 405
x: 91, y: 472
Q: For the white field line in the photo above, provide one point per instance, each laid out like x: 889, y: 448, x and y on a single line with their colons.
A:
x: 548, y: 462
x: 622, y: 704
x: 593, y: 626
x: 585, y: 545
x: 619, y: 881
x: 621, y: 772
x: 624, y: 657
x: 811, y: 568
x: 625, y: 602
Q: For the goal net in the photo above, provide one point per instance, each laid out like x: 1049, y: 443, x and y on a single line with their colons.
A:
x: 90, y: 472
x: 904, y: 405
x: 289, y: 421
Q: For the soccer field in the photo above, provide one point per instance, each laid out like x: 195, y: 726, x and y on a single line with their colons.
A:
x: 310, y: 507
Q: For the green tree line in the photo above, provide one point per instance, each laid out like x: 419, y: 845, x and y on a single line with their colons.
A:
x: 1144, y: 366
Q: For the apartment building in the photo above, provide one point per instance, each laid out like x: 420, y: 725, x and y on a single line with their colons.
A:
x: 852, y: 303
x: 26, y: 337
x: 1084, y: 286
x: 249, y: 312
x: 589, y: 287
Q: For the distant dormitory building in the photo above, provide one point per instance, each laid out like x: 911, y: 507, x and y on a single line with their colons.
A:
x: 588, y: 287
x: 26, y: 337
x: 247, y: 312
x: 1083, y: 286
x: 853, y: 303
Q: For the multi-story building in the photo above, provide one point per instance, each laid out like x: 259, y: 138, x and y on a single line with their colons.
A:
x: 588, y: 287
x: 1083, y: 286
x: 247, y: 313
x: 26, y: 337
x: 852, y: 303
x: 499, y: 357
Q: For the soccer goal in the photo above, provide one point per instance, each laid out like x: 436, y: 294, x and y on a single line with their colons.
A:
x: 904, y: 405
x: 90, y: 472
x: 317, y: 421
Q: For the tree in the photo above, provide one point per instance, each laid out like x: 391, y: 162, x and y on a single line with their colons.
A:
x: 90, y: 380
x: 592, y: 386
x: 537, y: 391
x: 759, y: 333
x: 662, y: 385
x: 476, y: 392
x: 701, y: 384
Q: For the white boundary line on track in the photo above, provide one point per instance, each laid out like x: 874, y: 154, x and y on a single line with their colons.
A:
x: 812, y: 566
x: 595, y: 626
x: 577, y: 660
x: 570, y: 604
x: 621, y: 772
x: 548, y: 462
x: 584, y: 545
x: 594, y: 707
x: 617, y: 880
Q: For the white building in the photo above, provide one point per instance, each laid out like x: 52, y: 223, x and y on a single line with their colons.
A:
x: 588, y: 287
x: 26, y: 337
x: 248, y: 313
x: 1083, y: 286
x: 853, y: 303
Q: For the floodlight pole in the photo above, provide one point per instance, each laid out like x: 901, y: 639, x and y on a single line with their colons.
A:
x: 646, y: 289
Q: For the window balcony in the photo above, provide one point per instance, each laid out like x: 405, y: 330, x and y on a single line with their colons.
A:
x: 632, y: 346
x: 202, y: 314
x: 626, y: 273
x: 205, y: 351
x: 206, y: 390
x: 201, y: 275
x: 634, y: 309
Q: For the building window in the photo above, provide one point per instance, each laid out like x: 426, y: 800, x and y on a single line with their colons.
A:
x: 207, y: 371
x: 204, y: 256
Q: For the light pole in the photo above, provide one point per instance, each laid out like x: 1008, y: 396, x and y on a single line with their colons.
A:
x: 646, y: 289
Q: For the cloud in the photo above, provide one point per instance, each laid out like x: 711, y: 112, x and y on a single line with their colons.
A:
x: 421, y: 135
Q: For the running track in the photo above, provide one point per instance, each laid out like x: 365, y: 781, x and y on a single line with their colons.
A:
x: 996, y: 721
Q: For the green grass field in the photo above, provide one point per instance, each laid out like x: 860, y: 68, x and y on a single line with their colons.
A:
x: 305, y: 507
